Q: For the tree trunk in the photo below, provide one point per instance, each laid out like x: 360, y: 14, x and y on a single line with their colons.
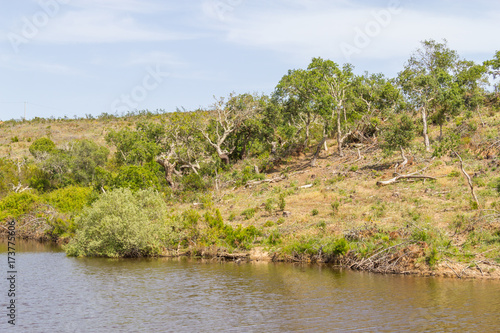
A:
x: 169, y: 170
x: 318, y: 149
x: 222, y: 155
x: 339, y: 134
x: 424, y: 132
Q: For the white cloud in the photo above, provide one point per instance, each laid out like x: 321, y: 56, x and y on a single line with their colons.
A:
x: 302, y: 29
x: 102, y: 27
x: 154, y: 57
x: 21, y: 64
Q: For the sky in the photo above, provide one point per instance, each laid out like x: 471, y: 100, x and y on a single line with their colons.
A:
x: 67, y: 58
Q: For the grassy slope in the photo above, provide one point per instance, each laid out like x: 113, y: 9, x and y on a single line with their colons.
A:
x: 369, y: 215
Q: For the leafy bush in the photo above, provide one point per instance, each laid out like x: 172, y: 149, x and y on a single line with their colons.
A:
x: 337, y: 247
x: 223, y: 234
x: 124, y: 224
x: 135, y: 178
x: 399, y: 133
x: 194, y: 182
x: 17, y: 204
x: 248, y: 213
x: 281, y: 201
x: 42, y: 145
x: 71, y: 199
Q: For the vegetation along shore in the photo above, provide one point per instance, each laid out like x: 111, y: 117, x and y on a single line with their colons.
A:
x: 389, y: 175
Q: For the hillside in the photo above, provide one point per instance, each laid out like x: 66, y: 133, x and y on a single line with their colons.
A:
x: 431, y: 225
x: 389, y: 175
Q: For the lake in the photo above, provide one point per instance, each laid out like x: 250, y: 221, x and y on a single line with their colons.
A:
x: 60, y: 294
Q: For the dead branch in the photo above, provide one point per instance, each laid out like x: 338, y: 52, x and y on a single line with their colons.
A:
x: 468, y: 179
x: 412, y: 175
x: 272, y: 180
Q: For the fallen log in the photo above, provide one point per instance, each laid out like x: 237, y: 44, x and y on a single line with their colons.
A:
x: 413, y: 175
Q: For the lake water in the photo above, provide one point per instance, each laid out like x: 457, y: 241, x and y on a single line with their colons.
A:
x: 60, y: 294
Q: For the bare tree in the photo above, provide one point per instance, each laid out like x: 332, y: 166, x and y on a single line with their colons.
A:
x: 229, y: 116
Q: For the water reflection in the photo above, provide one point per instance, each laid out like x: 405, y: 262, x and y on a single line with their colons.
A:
x: 61, y: 294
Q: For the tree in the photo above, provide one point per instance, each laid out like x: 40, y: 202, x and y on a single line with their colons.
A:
x: 42, y: 147
x: 332, y: 92
x: 493, y: 69
x: 374, y: 98
x: 229, y: 117
x: 84, y: 157
x: 297, y: 93
x: 133, y: 147
x: 182, y: 147
x: 427, y: 77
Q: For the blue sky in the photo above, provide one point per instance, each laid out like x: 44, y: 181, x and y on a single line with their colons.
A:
x: 78, y: 57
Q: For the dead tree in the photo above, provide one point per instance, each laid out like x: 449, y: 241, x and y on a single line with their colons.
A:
x: 471, y: 186
x: 229, y: 116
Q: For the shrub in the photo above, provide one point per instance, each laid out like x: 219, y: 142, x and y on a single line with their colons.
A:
x: 223, y: 234
x: 135, y: 178
x: 248, y: 213
x: 194, y: 182
x: 337, y: 247
x: 315, y: 212
x: 281, y: 201
x: 124, y: 224
x: 17, y: 204
x: 335, y: 207
x: 269, y: 205
x: 42, y: 145
x: 71, y: 199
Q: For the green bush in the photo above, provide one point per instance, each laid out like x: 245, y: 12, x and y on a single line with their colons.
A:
x: 281, y: 201
x: 135, y: 178
x: 71, y: 199
x: 42, y: 145
x: 17, y: 204
x: 194, y: 182
x: 220, y: 233
x: 124, y: 224
x: 337, y: 247
x: 315, y: 212
x: 248, y: 213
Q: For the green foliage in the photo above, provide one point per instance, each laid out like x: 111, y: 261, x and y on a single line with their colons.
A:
x: 194, y: 182
x: 135, y: 178
x: 432, y: 257
x: 84, y: 157
x: 335, y: 207
x: 124, y: 224
x: 273, y: 238
x: 269, y: 205
x: 71, y: 199
x: 42, y: 146
x: 248, y: 173
x: 17, y: 204
x: 399, y: 133
x: 133, y: 147
x: 14, y: 139
x: 338, y: 247
x: 315, y: 212
x: 281, y: 201
x: 224, y: 234
x: 447, y: 144
x: 248, y: 213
